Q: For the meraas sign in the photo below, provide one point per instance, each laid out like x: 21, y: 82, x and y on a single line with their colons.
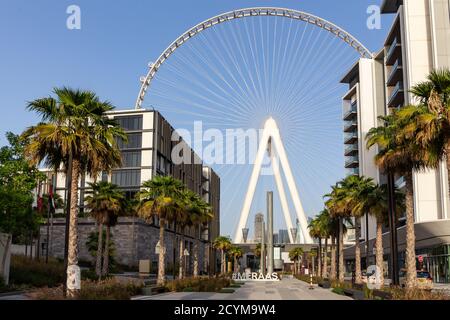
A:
x: 255, y: 276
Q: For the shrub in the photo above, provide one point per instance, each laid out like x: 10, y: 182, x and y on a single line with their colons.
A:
x: 109, y: 289
x: 92, y: 244
x: 307, y: 278
x: 417, y: 294
x: 198, y: 284
x: 32, y: 273
x: 338, y: 291
x: 226, y: 290
x: 88, y: 274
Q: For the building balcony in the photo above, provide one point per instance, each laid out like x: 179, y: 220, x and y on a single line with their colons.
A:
x: 351, y: 138
x: 352, y: 162
x: 397, y: 96
x: 353, y: 171
x: 350, y: 126
x: 396, y: 74
x: 394, y: 52
x: 351, y: 114
x: 351, y: 150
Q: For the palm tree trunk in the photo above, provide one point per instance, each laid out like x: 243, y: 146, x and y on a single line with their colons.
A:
x: 196, y: 259
x: 358, y: 275
x: 295, y: 267
x: 105, y: 270
x: 162, y: 254
x: 410, y: 258
x: 325, y: 262
x: 379, y: 251
x: 222, y: 262
x: 319, y: 259
x: 341, y: 251
x: 333, y: 259
x: 235, y: 264
x: 181, y: 256
x: 72, y: 259
x: 98, y: 263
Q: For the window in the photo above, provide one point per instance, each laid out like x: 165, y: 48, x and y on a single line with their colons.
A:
x: 131, y: 159
x: 134, y: 141
x: 130, y: 123
x: 127, y: 178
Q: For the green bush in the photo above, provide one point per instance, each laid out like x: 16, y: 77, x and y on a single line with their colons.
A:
x: 338, y: 290
x: 109, y: 289
x: 307, y: 278
x: 198, y: 284
x: 32, y: 273
x: 88, y: 274
x: 226, y: 290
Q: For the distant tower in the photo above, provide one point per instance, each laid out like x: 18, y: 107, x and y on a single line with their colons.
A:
x: 283, y: 236
x: 259, y: 219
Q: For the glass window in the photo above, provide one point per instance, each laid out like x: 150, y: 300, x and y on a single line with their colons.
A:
x: 131, y: 159
x: 134, y: 141
x: 126, y: 178
x: 130, y: 123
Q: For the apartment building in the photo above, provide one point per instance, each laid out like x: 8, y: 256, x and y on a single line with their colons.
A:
x: 146, y: 153
x: 417, y: 42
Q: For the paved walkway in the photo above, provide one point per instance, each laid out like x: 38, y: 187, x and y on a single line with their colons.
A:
x: 286, y: 289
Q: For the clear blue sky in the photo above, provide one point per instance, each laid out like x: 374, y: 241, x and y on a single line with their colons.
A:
x: 118, y: 39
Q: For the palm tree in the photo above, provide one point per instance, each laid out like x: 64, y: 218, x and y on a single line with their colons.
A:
x: 334, y: 232
x: 236, y: 253
x: 315, y: 231
x: 429, y: 122
x: 338, y: 206
x: 223, y: 244
x: 358, y: 188
x: 105, y: 200
x: 312, y: 254
x: 160, y: 197
x: 376, y: 204
x: 399, y: 154
x: 195, y: 214
x: 74, y: 131
x: 201, y: 216
x: 325, y: 227
x: 296, y: 255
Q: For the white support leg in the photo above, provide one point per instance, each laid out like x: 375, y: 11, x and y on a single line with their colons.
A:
x: 290, y: 179
x: 282, y: 193
x: 271, y: 131
x: 252, y: 186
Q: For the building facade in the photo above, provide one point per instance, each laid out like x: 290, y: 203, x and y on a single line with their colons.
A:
x: 258, y: 227
x: 417, y: 42
x: 146, y: 154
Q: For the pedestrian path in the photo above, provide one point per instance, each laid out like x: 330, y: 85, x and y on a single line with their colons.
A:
x: 286, y: 289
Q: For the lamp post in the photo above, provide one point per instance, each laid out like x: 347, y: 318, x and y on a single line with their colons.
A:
x: 270, y: 260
